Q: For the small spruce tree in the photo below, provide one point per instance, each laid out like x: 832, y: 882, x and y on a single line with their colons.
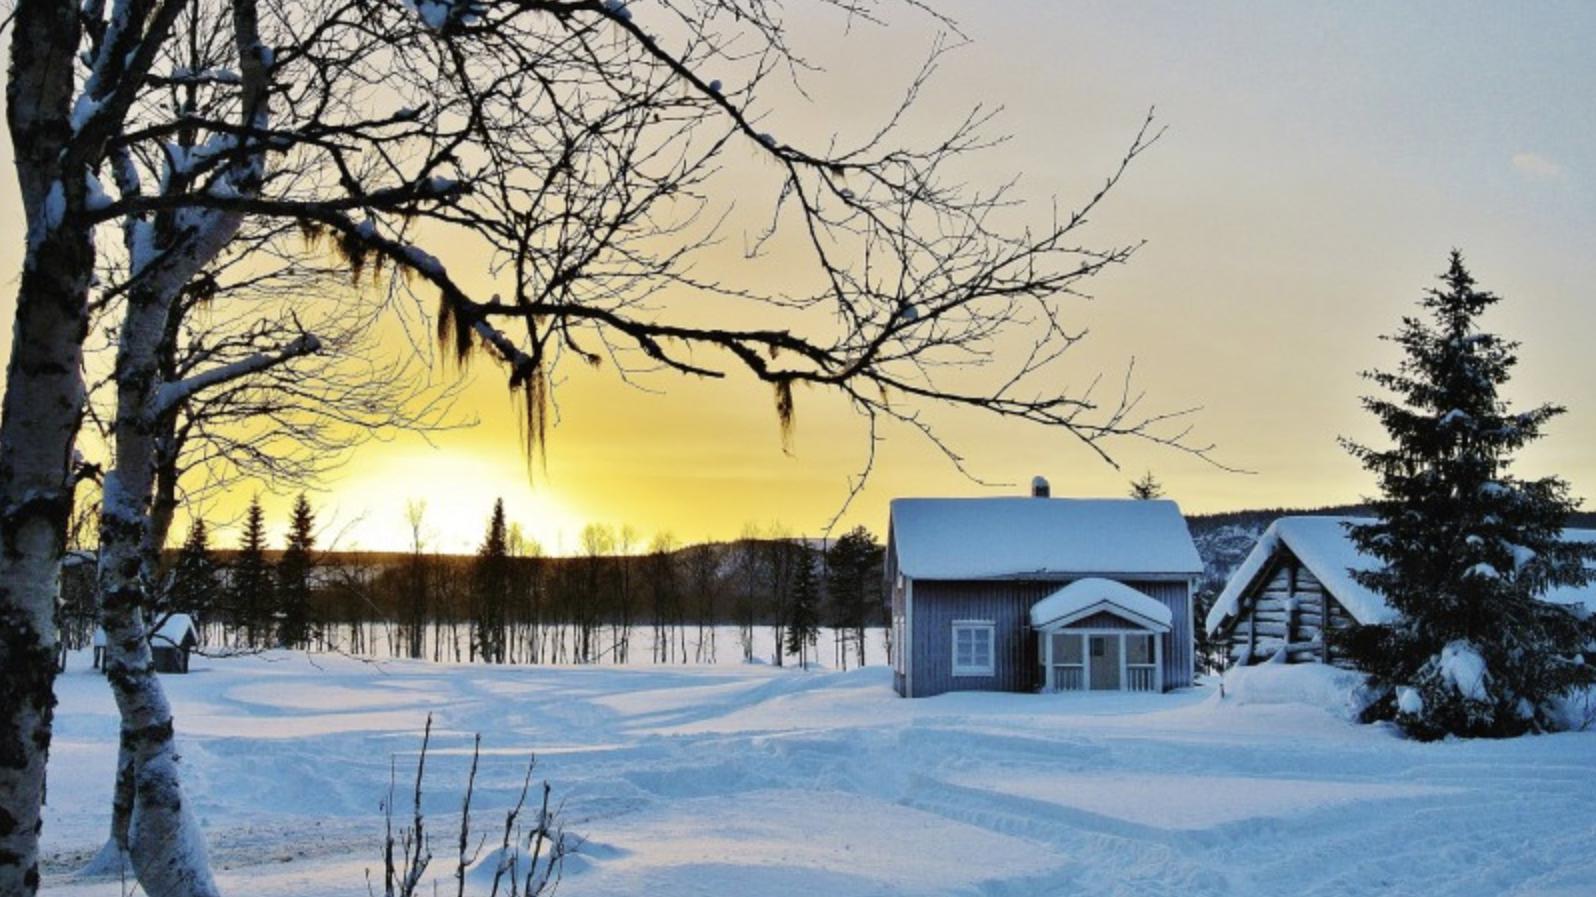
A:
x: 195, y: 587
x: 1147, y: 488
x: 1467, y: 547
x: 251, y: 579
x: 490, y: 589
x: 294, y: 571
x: 803, y: 619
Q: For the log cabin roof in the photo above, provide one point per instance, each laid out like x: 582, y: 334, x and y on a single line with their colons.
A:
x: 1040, y: 538
x: 1323, y: 545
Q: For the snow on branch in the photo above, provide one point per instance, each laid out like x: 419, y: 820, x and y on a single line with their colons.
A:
x: 170, y: 395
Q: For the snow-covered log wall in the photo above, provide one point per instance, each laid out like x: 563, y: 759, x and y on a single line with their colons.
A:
x: 1286, y: 610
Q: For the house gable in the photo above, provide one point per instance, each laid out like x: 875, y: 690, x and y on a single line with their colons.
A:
x: 1104, y: 619
x: 1284, y: 607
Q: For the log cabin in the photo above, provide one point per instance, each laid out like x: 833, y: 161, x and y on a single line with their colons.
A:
x: 1040, y: 594
x: 1298, y: 581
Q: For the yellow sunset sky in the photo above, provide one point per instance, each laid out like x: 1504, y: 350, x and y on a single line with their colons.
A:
x: 1319, y: 163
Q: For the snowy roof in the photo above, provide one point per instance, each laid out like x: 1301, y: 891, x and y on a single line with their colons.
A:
x: 1085, y: 596
x: 1323, y: 545
x: 1020, y: 537
x: 171, y: 631
x: 174, y: 629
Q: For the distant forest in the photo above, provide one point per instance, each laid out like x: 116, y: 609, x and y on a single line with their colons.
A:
x: 613, y: 602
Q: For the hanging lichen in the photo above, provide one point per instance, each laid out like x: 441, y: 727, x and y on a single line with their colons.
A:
x: 784, y: 412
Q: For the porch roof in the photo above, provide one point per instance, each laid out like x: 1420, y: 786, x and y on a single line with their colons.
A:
x: 1085, y: 597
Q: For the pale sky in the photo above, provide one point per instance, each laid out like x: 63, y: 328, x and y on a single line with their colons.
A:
x: 1320, y: 162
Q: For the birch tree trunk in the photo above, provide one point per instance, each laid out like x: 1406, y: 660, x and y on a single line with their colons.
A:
x: 163, y: 839
x: 43, y: 405
x: 113, y: 856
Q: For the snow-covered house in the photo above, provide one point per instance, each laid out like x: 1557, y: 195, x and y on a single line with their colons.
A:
x: 1298, y: 580
x: 170, y: 644
x: 1020, y: 594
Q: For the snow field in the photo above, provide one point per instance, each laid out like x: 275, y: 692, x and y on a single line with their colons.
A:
x: 743, y: 780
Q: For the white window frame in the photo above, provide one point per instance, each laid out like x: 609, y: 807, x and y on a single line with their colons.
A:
x: 989, y: 629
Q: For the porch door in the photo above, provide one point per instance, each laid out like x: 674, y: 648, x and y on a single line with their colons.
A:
x: 1105, y: 662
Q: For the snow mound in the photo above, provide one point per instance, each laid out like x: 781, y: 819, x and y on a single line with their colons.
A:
x: 1464, y: 668
x: 1409, y: 700
x: 111, y: 860
x: 1332, y: 689
x: 515, y: 862
x: 1576, y: 711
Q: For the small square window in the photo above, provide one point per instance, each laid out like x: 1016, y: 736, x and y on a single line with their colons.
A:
x: 973, y: 648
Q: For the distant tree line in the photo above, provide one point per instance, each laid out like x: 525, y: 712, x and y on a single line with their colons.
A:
x: 512, y: 603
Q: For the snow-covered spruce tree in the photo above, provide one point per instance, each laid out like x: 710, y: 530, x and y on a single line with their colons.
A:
x: 803, y: 607
x: 1467, y: 546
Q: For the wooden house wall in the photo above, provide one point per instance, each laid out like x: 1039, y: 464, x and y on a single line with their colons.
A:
x: 1286, y: 606
x: 1006, y: 603
x: 935, y: 605
x: 169, y: 658
x: 1180, y: 653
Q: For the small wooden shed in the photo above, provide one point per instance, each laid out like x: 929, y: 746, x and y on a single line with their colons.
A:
x: 1040, y: 593
x: 170, y: 644
x: 1298, y: 582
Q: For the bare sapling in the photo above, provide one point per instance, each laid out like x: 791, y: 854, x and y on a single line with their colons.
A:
x: 527, y: 863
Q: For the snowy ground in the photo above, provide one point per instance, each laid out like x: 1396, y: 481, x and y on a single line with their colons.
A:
x: 749, y: 780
